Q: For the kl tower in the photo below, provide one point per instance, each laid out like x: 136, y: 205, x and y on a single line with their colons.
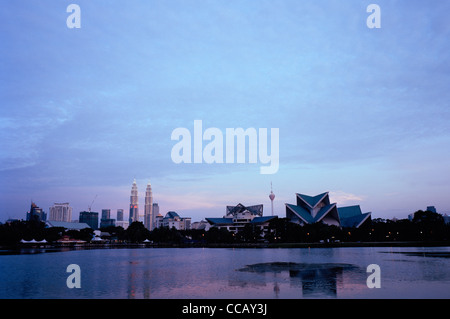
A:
x: 271, y: 196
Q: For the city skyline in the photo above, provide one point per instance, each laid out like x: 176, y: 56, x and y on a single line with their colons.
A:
x: 134, y: 198
x: 362, y: 113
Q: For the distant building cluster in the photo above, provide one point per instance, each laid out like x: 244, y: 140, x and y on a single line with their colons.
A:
x: 306, y: 210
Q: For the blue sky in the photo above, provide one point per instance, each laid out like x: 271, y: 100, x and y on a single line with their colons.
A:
x: 362, y: 113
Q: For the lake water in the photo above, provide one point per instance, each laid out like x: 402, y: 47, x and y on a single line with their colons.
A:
x: 406, y: 272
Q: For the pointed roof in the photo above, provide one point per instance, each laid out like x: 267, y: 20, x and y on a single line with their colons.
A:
x: 220, y: 221
x: 254, y: 210
x: 307, y: 206
x: 323, y: 212
x: 312, y: 201
x: 301, y: 213
x: 262, y: 219
x: 306, y: 216
x: 171, y: 214
x: 67, y: 225
x: 351, y: 216
x: 349, y: 211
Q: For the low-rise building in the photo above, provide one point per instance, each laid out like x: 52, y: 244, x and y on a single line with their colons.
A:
x: 237, y: 217
x: 172, y: 219
x: 67, y: 225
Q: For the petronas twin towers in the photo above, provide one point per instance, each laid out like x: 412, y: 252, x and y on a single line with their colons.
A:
x: 149, y: 218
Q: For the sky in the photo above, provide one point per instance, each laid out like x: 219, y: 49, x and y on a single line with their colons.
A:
x: 362, y: 113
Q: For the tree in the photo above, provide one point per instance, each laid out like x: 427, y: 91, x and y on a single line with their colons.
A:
x: 114, y: 231
x: 250, y: 233
x: 166, y: 235
x: 431, y: 226
x: 427, y: 217
x: 136, y: 233
x: 12, y: 233
x: 219, y: 235
x: 283, y: 230
x: 85, y: 234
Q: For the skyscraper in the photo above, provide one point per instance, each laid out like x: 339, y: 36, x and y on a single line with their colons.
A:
x: 120, y: 222
x: 61, y: 212
x: 106, y: 213
x: 155, y: 211
x: 90, y: 218
x: 134, y: 205
x: 36, y: 213
x: 148, y: 209
x: 106, y: 220
x: 119, y: 215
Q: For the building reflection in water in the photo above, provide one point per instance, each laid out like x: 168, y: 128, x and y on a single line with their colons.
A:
x: 280, y: 279
x: 315, y: 280
x: 132, y: 280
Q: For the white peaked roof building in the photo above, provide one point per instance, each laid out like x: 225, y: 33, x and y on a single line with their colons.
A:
x: 314, y: 209
x: 238, y: 216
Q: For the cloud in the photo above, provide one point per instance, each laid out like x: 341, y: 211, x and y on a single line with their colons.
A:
x: 343, y: 198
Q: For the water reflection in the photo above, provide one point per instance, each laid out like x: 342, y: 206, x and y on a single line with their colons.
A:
x: 319, y: 279
x: 438, y: 254
x: 228, y: 273
x: 139, y: 277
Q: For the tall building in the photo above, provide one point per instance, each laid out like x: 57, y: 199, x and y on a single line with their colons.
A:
x: 90, y: 218
x: 106, y: 213
x: 134, y: 205
x: 36, y: 213
x: 148, y: 208
x: 106, y: 220
x: 119, y: 217
x: 431, y: 209
x: 155, y: 212
x: 60, y: 212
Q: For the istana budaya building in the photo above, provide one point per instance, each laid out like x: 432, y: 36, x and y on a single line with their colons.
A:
x: 314, y: 209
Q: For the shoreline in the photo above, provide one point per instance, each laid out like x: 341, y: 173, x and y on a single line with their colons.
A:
x: 225, y: 245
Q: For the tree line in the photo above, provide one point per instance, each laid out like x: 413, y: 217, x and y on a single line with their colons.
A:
x: 425, y: 226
